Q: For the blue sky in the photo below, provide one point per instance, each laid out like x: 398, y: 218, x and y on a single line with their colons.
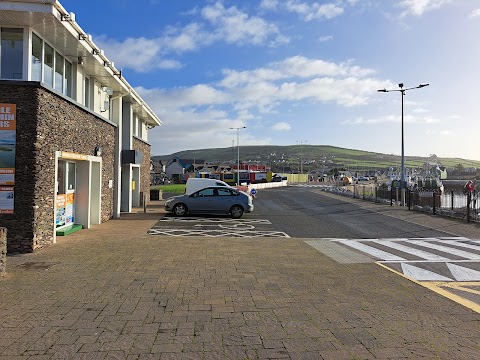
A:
x: 299, y: 71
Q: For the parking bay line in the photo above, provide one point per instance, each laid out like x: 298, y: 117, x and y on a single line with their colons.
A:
x: 216, y: 233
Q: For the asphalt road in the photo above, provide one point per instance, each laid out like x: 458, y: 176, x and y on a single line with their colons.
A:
x: 304, y: 213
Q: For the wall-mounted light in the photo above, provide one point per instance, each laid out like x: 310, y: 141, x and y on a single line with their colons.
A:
x: 68, y: 17
x: 96, y: 52
x: 80, y: 60
x: 97, y: 151
x: 82, y: 37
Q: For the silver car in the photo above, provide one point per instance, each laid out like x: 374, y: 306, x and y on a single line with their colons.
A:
x: 211, y: 200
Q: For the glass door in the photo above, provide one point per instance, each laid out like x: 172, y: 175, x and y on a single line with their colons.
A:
x: 65, y: 198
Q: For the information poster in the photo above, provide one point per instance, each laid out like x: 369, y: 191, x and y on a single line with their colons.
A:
x: 60, y: 205
x: 69, y: 209
x: 6, y: 199
x: 8, y: 126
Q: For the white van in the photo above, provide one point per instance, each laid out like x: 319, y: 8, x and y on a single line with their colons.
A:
x: 195, y: 184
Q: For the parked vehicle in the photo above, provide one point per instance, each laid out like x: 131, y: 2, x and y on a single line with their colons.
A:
x: 211, y: 200
x: 195, y: 184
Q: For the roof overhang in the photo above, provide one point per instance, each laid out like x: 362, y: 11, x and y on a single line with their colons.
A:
x: 54, y: 24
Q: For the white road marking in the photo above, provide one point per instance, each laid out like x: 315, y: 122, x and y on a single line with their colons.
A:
x: 412, y: 251
x: 216, y: 233
x: 422, y: 274
x: 380, y: 254
x: 447, y: 249
x: 453, y: 270
x: 214, y: 220
x: 461, y: 273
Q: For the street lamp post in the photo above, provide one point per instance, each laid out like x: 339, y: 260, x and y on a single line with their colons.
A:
x: 402, y: 91
x: 301, y: 154
x: 238, y: 151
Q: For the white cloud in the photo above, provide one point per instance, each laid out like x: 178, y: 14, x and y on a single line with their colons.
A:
x: 419, y: 7
x: 281, y: 126
x: 293, y: 67
x: 409, y: 119
x: 475, y: 13
x: 325, y: 38
x: 269, y: 4
x: 309, y: 11
x: 314, y: 11
x: 204, y: 111
x: 216, y: 24
x: 237, y: 27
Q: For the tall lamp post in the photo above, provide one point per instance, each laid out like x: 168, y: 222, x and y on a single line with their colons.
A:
x: 301, y: 154
x: 238, y: 151
x: 402, y: 91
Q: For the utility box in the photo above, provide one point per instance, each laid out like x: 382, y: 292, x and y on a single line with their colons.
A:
x: 132, y: 157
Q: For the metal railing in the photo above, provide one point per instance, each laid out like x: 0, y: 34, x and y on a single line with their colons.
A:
x: 450, y: 203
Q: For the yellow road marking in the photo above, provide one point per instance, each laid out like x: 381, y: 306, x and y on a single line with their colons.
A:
x: 441, y: 289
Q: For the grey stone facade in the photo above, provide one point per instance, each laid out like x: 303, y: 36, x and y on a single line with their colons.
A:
x: 48, y: 122
x: 142, y: 146
x: 3, y: 251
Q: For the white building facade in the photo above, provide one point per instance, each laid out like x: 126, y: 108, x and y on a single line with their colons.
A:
x: 73, y: 133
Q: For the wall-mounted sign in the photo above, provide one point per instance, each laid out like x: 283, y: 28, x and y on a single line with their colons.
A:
x: 8, y: 135
x: 73, y: 156
x: 60, y: 205
x: 6, y: 199
x: 8, y: 127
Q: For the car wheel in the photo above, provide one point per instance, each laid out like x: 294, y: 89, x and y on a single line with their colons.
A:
x: 236, y: 211
x: 180, y: 209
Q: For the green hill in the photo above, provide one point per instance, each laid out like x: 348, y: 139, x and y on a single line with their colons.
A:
x: 314, y: 157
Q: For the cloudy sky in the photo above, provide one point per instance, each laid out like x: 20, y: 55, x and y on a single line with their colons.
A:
x: 299, y: 71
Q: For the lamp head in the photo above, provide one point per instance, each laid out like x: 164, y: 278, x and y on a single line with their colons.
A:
x: 400, y: 85
x: 382, y: 90
x: 422, y: 85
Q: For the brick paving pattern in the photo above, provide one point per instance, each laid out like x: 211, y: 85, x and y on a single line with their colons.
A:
x: 115, y: 292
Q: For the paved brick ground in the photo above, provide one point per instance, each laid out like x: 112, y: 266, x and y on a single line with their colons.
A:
x: 114, y: 292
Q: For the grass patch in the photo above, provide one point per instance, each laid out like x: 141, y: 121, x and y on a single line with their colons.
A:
x: 170, y: 188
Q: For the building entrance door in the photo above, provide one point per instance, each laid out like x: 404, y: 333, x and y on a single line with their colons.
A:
x: 65, y: 199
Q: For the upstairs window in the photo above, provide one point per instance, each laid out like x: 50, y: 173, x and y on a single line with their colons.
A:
x: 58, y: 72
x: 11, y: 53
x: 48, y: 65
x: 37, y: 47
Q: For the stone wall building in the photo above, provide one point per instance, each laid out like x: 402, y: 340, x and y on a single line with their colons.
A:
x: 73, y: 133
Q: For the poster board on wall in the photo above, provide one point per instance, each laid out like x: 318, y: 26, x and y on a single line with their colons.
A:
x: 8, y: 129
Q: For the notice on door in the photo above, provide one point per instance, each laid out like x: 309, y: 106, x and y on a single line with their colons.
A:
x: 6, y: 199
x: 69, y: 218
x: 60, y: 207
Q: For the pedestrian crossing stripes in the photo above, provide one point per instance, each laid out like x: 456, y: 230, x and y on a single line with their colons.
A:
x: 424, y: 259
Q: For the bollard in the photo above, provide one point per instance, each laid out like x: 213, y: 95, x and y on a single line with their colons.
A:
x: 433, y: 202
x: 409, y: 197
x: 452, y: 202
x: 469, y: 198
x: 391, y: 196
x: 144, y: 203
x: 3, y: 251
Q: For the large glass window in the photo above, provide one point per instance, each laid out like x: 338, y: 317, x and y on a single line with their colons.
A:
x: 70, y: 176
x: 11, y: 53
x: 36, y: 58
x: 48, y: 65
x: 67, y: 89
x: 87, y: 92
x: 58, y: 72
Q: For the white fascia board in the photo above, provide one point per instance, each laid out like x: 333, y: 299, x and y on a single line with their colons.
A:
x: 25, y: 5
